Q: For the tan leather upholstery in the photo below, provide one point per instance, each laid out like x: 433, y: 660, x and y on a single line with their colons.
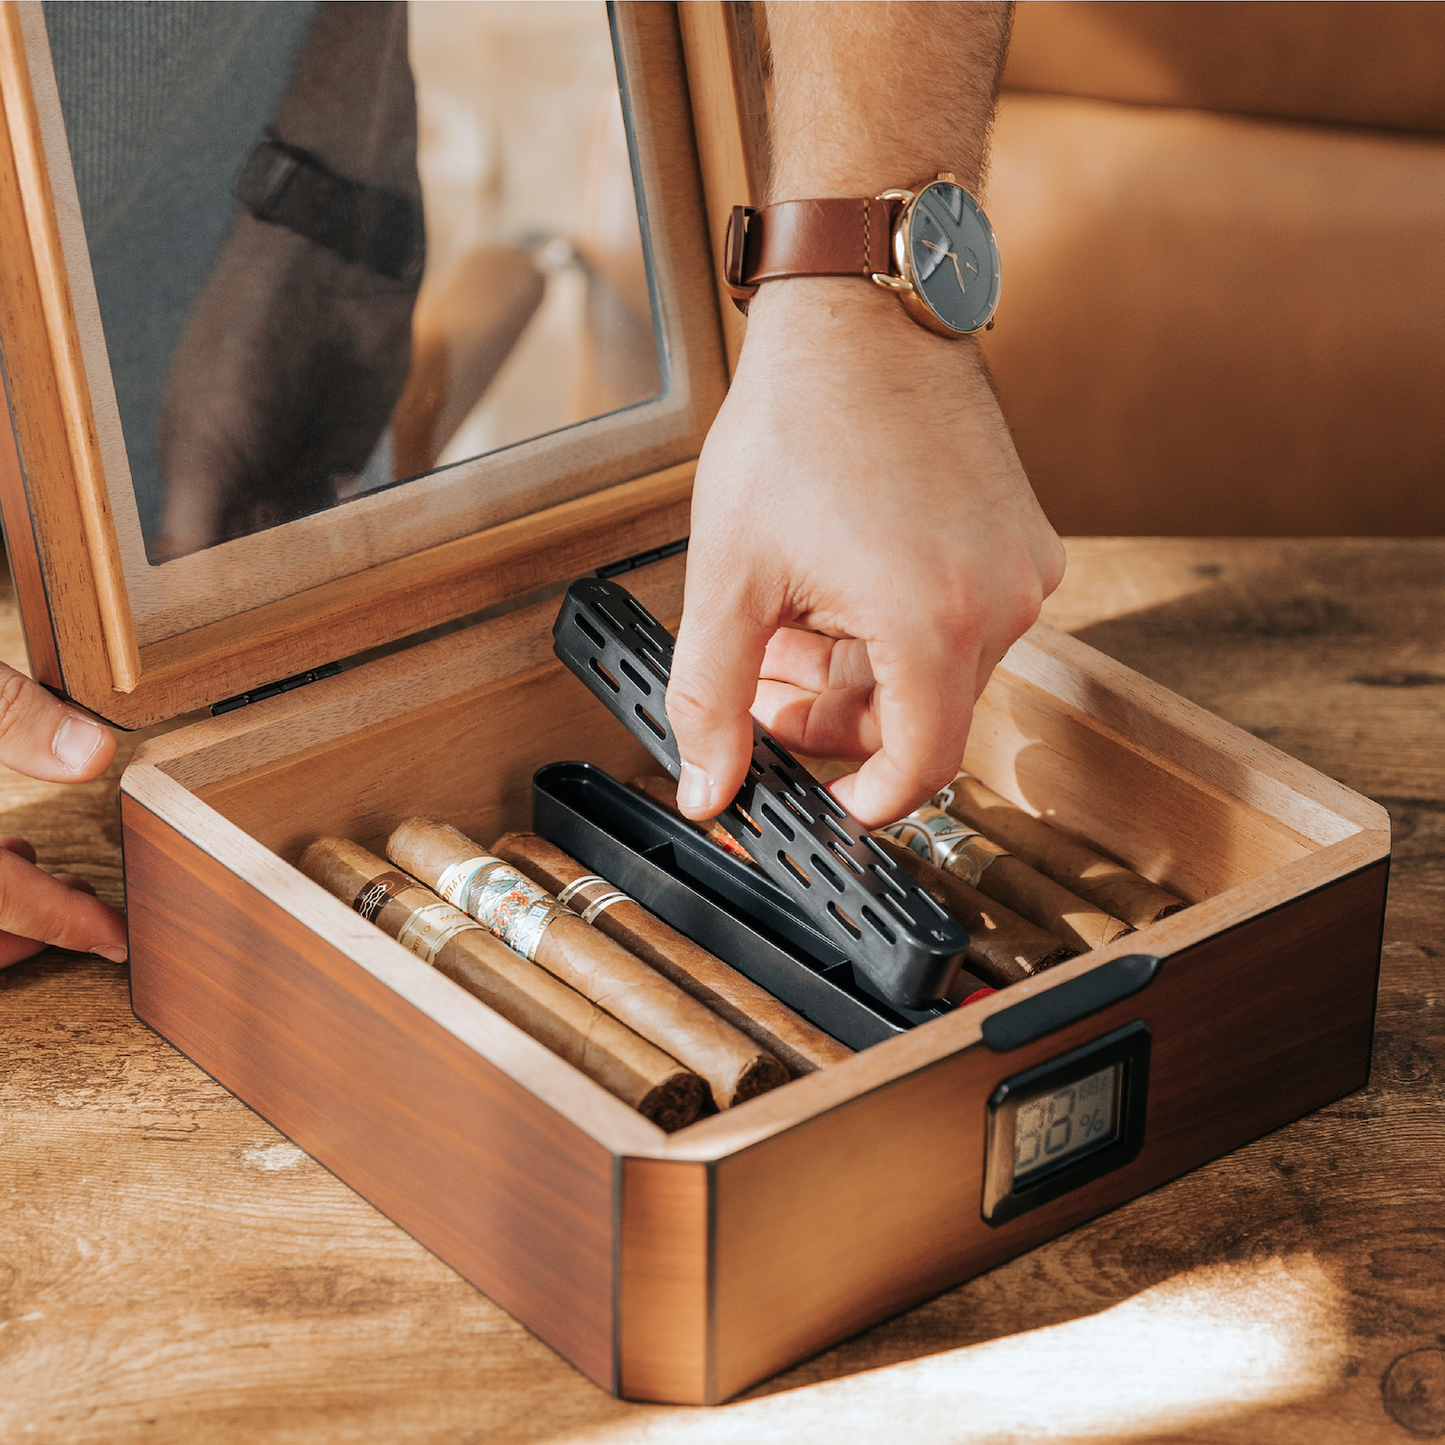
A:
x: 1220, y: 323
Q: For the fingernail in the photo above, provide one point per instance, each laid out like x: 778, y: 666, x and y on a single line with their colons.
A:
x: 694, y: 789
x: 76, y: 740
x: 115, y: 952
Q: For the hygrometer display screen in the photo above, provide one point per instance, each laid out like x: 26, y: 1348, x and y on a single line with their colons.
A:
x: 1057, y: 1127
x: 1065, y: 1122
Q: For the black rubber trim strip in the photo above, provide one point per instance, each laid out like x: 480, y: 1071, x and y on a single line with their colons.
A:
x: 1032, y: 1018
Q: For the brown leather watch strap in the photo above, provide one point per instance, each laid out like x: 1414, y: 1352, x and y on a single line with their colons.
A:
x: 833, y: 237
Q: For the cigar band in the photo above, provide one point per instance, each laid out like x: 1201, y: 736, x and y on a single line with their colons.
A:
x: 944, y: 841
x: 375, y: 892
x: 567, y: 894
x: 502, y: 900
x: 431, y: 928
x: 589, y: 908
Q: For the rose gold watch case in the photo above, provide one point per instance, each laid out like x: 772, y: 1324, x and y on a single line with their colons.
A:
x: 902, y: 281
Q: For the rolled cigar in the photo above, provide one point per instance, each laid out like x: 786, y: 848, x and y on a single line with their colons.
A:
x: 790, y: 1038
x: 540, y: 928
x: 664, y: 791
x: 1002, y: 947
x: 1101, y: 881
x: 964, y: 852
x: 608, y: 1052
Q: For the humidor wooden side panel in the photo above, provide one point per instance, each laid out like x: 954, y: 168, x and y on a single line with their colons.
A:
x: 469, y: 759
x: 54, y: 433
x: 662, y: 1295
x: 859, y: 1213
x: 511, y: 1193
x: 1176, y: 793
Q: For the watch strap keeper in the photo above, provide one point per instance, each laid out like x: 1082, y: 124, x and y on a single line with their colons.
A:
x: 827, y: 237
x: 378, y: 228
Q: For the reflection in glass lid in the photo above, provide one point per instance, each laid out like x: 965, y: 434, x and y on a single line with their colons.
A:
x: 339, y: 245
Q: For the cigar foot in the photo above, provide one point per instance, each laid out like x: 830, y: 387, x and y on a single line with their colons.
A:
x: 674, y: 1103
x: 759, y: 1077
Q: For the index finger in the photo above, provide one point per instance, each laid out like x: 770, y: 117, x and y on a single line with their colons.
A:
x: 42, y: 738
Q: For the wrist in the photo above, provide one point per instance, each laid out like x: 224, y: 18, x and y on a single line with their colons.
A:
x: 848, y: 325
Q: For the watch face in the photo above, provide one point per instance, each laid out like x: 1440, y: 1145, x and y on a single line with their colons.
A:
x: 954, y: 257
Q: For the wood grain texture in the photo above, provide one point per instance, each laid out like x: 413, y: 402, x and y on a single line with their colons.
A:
x: 662, y: 1293
x: 26, y: 577
x: 175, y: 1271
x: 849, y: 1218
x: 730, y: 118
x: 510, y: 1193
x: 51, y: 343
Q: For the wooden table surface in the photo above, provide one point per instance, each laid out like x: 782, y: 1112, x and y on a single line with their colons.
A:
x: 171, y: 1269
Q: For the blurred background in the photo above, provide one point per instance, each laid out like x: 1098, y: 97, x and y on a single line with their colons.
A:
x: 534, y: 311
x: 1223, y: 240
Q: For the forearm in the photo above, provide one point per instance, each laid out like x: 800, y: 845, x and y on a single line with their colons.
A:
x: 869, y: 96
x: 351, y: 100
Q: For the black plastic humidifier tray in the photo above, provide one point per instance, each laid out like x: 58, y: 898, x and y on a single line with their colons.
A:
x: 731, y: 910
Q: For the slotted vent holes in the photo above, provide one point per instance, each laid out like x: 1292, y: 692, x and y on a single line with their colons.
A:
x: 636, y: 677
x: 651, y: 721
x: 606, y: 676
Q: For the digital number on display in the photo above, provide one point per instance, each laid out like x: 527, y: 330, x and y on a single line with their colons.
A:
x: 1055, y: 1127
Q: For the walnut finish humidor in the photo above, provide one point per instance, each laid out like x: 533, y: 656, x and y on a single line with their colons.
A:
x: 676, y: 1267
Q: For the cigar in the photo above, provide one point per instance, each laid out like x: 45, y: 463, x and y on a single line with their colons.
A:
x: 664, y: 791
x: 608, y: 1052
x: 541, y: 929
x: 961, y: 850
x: 791, y: 1039
x: 1002, y: 947
x: 1101, y: 881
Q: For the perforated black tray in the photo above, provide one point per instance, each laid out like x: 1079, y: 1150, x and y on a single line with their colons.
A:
x: 716, y: 900
x: 816, y: 854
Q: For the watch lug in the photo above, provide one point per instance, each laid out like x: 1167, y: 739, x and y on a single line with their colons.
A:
x: 947, y: 176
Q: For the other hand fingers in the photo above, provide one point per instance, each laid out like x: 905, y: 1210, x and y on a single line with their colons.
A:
x: 18, y: 846
x: 34, y: 907
x: 43, y: 738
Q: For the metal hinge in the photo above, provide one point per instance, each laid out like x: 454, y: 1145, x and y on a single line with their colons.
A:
x: 272, y: 689
x: 616, y: 569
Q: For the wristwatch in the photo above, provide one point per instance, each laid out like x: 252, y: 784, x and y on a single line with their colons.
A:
x: 932, y: 247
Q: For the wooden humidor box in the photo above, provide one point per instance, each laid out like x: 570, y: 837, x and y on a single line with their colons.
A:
x: 679, y: 1267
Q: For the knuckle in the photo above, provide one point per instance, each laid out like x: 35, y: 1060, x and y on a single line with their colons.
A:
x: 14, y: 693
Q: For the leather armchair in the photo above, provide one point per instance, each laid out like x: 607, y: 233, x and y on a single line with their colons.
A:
x: 1223, y: 231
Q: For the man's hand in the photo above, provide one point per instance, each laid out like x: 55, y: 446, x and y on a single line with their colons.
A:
x: 860, y: 482
x: 44, y: 739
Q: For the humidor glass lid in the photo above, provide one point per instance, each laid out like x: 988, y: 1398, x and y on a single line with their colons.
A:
x: 354, y: 280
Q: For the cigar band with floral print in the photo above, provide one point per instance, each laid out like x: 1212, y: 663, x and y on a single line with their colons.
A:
x: 502, y: 900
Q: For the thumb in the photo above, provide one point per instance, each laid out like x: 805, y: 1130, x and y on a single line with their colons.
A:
x: 715, y: 669
x: 43, y: 738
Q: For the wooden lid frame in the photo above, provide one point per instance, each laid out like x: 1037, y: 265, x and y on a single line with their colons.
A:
x: 57, y: 500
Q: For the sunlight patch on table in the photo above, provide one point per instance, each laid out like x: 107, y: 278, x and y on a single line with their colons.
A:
x: 1214, y: 1342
